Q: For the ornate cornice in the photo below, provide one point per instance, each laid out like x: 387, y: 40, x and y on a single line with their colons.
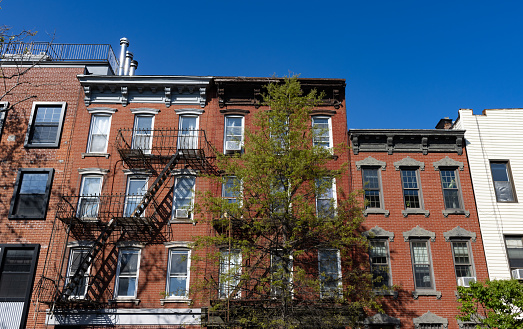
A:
x: 430, y: 318
x: 378, y: 232
x: 409, y: 162
x: 370, y: 161
x: 448, y: 162
x: 419, y: 232
x: 459, y: 232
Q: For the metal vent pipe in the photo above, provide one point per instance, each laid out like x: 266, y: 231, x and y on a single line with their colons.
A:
x: 124, y: 43
x: 128, y: 59
x: 134, y: 66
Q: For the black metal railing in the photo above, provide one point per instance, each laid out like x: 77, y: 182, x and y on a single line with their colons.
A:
x: 61, y: 52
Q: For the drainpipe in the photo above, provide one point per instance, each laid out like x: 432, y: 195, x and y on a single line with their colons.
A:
x: 134, y: 66
x: 124, y: 43
x: 128, y: 59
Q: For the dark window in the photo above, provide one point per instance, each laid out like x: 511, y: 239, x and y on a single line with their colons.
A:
x: 411, y: 191
x: 31, y: 194
x: 3, y: 114
x: 371, y: 185
x: 502, y: 181
x: 329, y: 266
x: 451, y: 192
x: 515, y: 251
x: 421, y: 265
x: 45, y: 125
x: 379, y: 261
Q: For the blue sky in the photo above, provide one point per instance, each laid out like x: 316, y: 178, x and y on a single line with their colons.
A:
x: 407, y: 63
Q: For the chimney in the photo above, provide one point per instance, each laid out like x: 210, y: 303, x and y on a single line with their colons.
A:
x: 128, y: 59
x: 124, y: 43
x: 444, y: 123
x: 134, y: 66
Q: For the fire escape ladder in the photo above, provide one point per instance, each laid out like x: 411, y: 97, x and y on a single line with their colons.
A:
x: 155, y: 187
x: 86, y: 262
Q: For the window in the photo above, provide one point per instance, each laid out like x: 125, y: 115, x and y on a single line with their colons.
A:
x: 514, y: 252
x: 89, y: 200
x: 233, y: 134
x: 230, y: 271
x: 76, y: 256
x: 31, y: 194
x: 421, y: 264
x: 326, y: 197
x: 136, y: 189
x: 178, y: 273
x: 17, y: 273
x: 451, y: 192
x: 379, y: 262
x: 281, y: 273
x: 462, y: 259
x: 188, y: 135
x: 127, y: 273
x: 183, y: 196
x: 322, y: 132
x: 411, y: 190
x: 3, y: 114
x: 143, y: 133
x: 372, y: 187
x: 99, y: 133
x: 279, y: 196
x: 502, y: 178
x: 45, y: 125
x: 231, y: 189
x: 329, y: 267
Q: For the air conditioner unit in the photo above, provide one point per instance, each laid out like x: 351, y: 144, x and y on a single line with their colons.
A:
x: 517, y: 274
x: 182, y: 213
x: 233, y: 146
x: 466, y: 280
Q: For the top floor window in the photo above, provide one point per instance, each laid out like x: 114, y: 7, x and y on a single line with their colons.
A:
x: 451, y: 190
x: 45, y: 125
x: 322, y: 131
x: 99, y: 133
x: 143, y: 133
x: 411, y: 189
x: 372, y: 187
x: 502, y: 178
x: 233, y: 134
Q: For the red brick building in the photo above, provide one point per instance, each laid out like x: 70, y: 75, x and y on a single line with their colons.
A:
x: 422, y: 221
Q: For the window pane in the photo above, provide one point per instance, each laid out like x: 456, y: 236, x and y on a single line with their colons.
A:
x: 409, y: 179
x: 370, y: 179
x: 48, y: 114
x: 420, y: 257
x: 504, y: 191
x: 451, y: 198
x: 16, y: 273
x: 33, y: 183
x: 411, y: 199
x: 99, y: 133
x: 129, y: 262
x: 44, y: 134
x: 372, y: 199
x: 183, y: 192
x: 515, y: 251
x: 178, y: 286
x: 321, y: 132
x: 91, y: 185
x: 126, y: 286
x: 179, y: 262
x: 499, y: 172
x: 448, y: 179
x: 502, y: 181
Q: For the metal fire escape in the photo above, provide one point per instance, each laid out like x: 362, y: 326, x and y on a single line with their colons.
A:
x: 96, y: 217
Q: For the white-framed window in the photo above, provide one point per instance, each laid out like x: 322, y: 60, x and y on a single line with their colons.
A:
x: 329, y: 269
x: 76, y: 256
x: 127, y: 273
x: 188, y: 132
x: 380, y: 263
x: 99, y: 133
x: 281, y: 273
x: 136, y: 189
x: 230, y: 272
x: 421, y: 264
x: 322, y: 131
x: 143, y: 132
x: 233, y: 139
x: 45, y: 124
x: 231, y: 189
x: 89, y: 201
x: 279, y: 195
x: 178, y: 273
x: 183, y: 196
x: 326, y: 197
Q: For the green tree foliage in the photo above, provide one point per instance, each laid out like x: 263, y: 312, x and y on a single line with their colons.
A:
x: 492, y: 304
x: 295, y: 257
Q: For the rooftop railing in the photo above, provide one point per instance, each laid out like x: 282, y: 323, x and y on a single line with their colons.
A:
x: 59, y: 52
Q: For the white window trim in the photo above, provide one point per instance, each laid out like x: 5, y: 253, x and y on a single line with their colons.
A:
x: 334, y: 196
x: 188, y: 281
x: 100, y: 114
x: 81, y: 196
x: 225, y: 150
x: 146, y: 187
x: 291, y: 279
x: 145, y: 111
x: 189, y: 111
x: 102, y: 110
x: 338, y: 259
x: 196, y: 129
x: 151, y: 136
x: 31, y: 123
x: 226, y: 288
x: 72, y: 249
x: 331, y: 144
x: 93, y: 171
x: 173, y: 212
x: 118, y: 268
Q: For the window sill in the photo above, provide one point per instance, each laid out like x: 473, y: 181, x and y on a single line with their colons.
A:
x: 120, y: 300
x: 42, y: 146
x: 175, y: 300
x: 448, y: 212
x: 408, y: 212
x: 376, y: 211
x: 87, y: 155
x: 417, y: 293
x: 385, y: 292
x: 182, y: 221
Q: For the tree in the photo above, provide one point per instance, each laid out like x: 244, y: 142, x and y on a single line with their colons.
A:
x: 492, y: 304
x: 286, y: 252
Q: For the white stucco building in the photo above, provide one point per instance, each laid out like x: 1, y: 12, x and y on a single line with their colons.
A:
x: 494, y: 144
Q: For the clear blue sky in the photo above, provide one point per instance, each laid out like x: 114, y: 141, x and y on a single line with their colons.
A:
x: 407, y: 63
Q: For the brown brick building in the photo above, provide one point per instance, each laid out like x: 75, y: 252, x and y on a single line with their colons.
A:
x: 422, y: 221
